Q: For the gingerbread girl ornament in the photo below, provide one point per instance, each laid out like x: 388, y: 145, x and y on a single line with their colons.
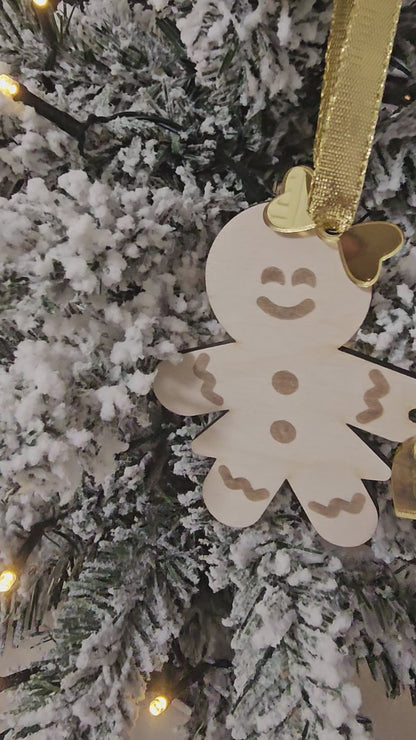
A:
x: 292, y: 396
x: 291, y: 392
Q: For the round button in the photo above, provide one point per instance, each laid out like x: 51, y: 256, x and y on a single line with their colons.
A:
x: 283, y: 431
x: 285, y: 382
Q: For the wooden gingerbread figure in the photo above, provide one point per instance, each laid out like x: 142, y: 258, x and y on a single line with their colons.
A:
x: 290, y: 390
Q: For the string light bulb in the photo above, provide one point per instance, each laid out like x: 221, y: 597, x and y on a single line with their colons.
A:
x: 8, y: 86
x: 41, y: 3
x: 158, y: 706
x: 7, y: 580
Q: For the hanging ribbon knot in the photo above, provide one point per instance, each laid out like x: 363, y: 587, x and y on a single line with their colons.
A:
x: 326, y: 199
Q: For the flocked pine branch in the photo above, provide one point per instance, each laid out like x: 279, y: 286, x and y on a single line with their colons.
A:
x: 119, y: 615
x: 102, y: 259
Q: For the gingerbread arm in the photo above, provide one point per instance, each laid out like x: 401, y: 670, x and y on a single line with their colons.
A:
x: 383, y: 398
x: 192, y: 386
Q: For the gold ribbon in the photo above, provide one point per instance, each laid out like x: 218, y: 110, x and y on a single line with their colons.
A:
x: 357, y: 58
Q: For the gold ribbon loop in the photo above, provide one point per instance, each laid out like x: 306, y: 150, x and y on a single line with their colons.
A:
x: 357, y: 58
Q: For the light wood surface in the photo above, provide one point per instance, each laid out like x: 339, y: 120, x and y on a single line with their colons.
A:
x: 289, y: 391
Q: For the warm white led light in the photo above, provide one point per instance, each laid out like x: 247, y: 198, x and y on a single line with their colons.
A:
x: 41, y: 3
x: 158, y: 705
x: 8, y: 86
x: 7, y: 580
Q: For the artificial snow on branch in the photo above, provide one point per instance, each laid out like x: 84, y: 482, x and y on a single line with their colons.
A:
x: 102, y: 262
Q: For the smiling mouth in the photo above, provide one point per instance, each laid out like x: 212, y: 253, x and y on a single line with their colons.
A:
x: 285, y: 312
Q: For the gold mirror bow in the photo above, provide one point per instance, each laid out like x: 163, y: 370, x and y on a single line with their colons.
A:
x: 362, y: 247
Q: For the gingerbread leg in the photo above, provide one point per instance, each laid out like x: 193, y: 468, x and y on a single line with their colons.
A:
x: 338, y: 505
x: 238, y: 494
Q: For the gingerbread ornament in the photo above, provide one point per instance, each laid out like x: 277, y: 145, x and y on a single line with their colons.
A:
x: 290, y: 282
x: 291, y: 393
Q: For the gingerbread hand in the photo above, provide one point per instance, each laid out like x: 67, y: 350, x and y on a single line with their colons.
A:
x: 191, y: 387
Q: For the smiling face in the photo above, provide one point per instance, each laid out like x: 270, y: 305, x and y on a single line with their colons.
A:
x: 300, y: 276
x: 266, y: 287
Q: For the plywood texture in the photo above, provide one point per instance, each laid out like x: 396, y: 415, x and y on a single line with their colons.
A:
x: 289, y: 391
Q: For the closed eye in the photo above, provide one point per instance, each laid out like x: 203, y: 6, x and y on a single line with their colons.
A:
x: 303, y: 275
x: 272, y: 275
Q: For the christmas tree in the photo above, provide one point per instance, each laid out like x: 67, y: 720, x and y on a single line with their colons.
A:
x: 179, y: 114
